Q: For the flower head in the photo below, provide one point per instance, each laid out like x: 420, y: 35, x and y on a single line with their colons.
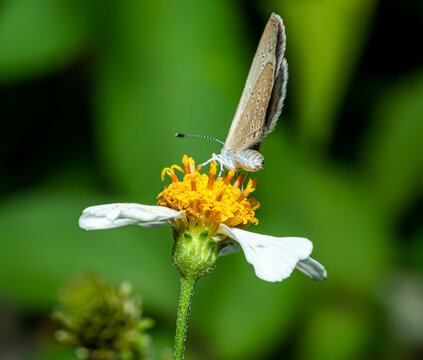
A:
x: 102, y: 321
x: 207, y: 214
x: 203, y: 198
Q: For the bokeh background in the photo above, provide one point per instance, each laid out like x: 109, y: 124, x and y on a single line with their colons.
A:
x: 91, y: 94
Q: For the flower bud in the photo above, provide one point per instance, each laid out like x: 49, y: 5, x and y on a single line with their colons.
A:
x: 195, y: 252
x: 101, y: 321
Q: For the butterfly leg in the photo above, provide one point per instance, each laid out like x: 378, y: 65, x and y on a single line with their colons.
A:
x: 213, y: 158
x: 221, y: 169
x: 245, y: 179
x: 219, y: 159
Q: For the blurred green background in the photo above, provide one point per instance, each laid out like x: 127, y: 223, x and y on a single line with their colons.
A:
x: 91, y: 94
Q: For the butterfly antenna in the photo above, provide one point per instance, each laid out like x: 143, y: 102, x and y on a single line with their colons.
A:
x: 199, y: 136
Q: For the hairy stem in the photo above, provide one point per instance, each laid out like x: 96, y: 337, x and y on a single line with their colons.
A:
x: 187, y: 290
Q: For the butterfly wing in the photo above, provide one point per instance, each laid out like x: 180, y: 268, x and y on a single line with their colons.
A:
x: 262, y: 99
x: 277, y: 99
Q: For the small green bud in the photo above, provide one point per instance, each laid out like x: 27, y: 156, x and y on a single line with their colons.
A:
x: 195, y: 252
x: 101, y: 321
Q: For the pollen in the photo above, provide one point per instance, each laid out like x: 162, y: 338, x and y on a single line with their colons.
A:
x: 208, y: 198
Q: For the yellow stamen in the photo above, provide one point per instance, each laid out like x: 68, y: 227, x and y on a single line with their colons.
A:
x: 229, y: 176
x: 171, y: 172
x: 212, y: 201
x: 185, y: 161
x: 254, y: 203
x: 193, y: 184
x: 212, y: 175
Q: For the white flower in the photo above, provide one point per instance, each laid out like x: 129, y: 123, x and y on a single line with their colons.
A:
x: 273, y: 258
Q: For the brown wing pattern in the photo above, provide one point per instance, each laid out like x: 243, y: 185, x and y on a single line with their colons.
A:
x: 278, y: 96
x: 252, y: 121
x: 268, y: 56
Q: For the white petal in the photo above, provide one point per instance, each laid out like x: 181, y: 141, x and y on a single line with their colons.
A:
x: 229, y: 249
x: 154, y: 225
x: 273, y: 258
x: 312, y: 268
x: 115, y: 215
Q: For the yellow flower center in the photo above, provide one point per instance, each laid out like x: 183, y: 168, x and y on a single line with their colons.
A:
x: 209, y: 199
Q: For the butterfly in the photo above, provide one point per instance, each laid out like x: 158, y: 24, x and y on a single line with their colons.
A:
x: 260, y: 105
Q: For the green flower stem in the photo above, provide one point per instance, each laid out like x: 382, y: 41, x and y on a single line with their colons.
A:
x: 187, y: 290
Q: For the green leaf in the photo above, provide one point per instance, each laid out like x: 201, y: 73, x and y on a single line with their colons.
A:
x: 324, y: 42
x: 393, y: 148
x: 335, y: 333
x: 54, y: 353
x: 38, y: 36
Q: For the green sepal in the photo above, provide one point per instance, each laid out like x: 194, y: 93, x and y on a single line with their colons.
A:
x: 194, y: 252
